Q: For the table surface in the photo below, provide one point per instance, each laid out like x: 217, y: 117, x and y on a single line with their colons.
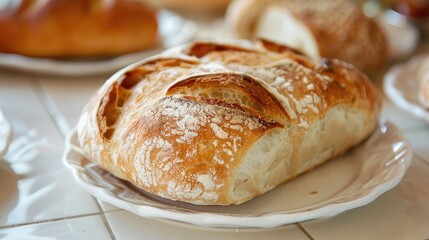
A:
x: 40, y: 200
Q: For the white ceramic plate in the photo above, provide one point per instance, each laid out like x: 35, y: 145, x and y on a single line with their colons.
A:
x: 173, y: 29
x: 349, y: 181
x: 5, y: 135
x: 401, y: 87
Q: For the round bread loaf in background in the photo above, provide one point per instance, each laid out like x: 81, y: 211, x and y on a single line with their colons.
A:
x: 319, y: 28
x: 195, y: 7
x: 219, y: 123
x: 76, y: 28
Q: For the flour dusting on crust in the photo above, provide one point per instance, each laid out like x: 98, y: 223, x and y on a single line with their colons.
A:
x: 187, y: 145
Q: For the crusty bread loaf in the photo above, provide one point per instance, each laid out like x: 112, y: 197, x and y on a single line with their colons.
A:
x: 319, y: 28
x: 221, y: 123
x: 423, y: 83
x: 76, y: 28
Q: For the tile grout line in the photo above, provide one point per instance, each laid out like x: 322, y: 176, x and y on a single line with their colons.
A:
x: 63, y: 128
x: 59, y: 121
x: 104, y: 218
x: 55, y: 219
x: 304, y: 231
x: 48, y: 220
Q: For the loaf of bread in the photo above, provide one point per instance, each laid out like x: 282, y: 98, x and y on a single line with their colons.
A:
x: 76, y: 28
x: 423, y: 83
x: 318, y: 28
x: 216, y: 123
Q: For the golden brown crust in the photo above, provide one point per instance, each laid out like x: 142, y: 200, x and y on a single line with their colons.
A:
x: 250, y: 95
x: 77, y: 28
x: 182, y: 125
x: 191, y: 153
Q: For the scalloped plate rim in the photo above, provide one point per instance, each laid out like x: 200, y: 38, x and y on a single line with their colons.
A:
x: 268, y: 220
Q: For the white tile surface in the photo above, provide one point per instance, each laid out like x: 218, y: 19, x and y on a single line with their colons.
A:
x: 69, y: 95
x: 420, y: 142
x: 39, y: 187
x: 128, y: 226
x: 401, y: 213
x: 84, y: 228
x: 67, y: 98
x: 32, y: 192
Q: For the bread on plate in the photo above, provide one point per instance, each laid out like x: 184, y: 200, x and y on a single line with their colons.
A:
x: 219, y: 123
x: 76, y: 28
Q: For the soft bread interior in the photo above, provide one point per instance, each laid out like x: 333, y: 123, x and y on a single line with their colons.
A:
x: 264, y: 166
x: 279, y: 25
x: 341, y: 128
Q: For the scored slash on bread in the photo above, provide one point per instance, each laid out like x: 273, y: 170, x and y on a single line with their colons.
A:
x: 218, y: 123
x: 319, y: 28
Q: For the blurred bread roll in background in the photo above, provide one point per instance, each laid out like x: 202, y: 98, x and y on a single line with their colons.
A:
x: 318, y: 28
x: 76, y: 28
x: 195, y: 7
